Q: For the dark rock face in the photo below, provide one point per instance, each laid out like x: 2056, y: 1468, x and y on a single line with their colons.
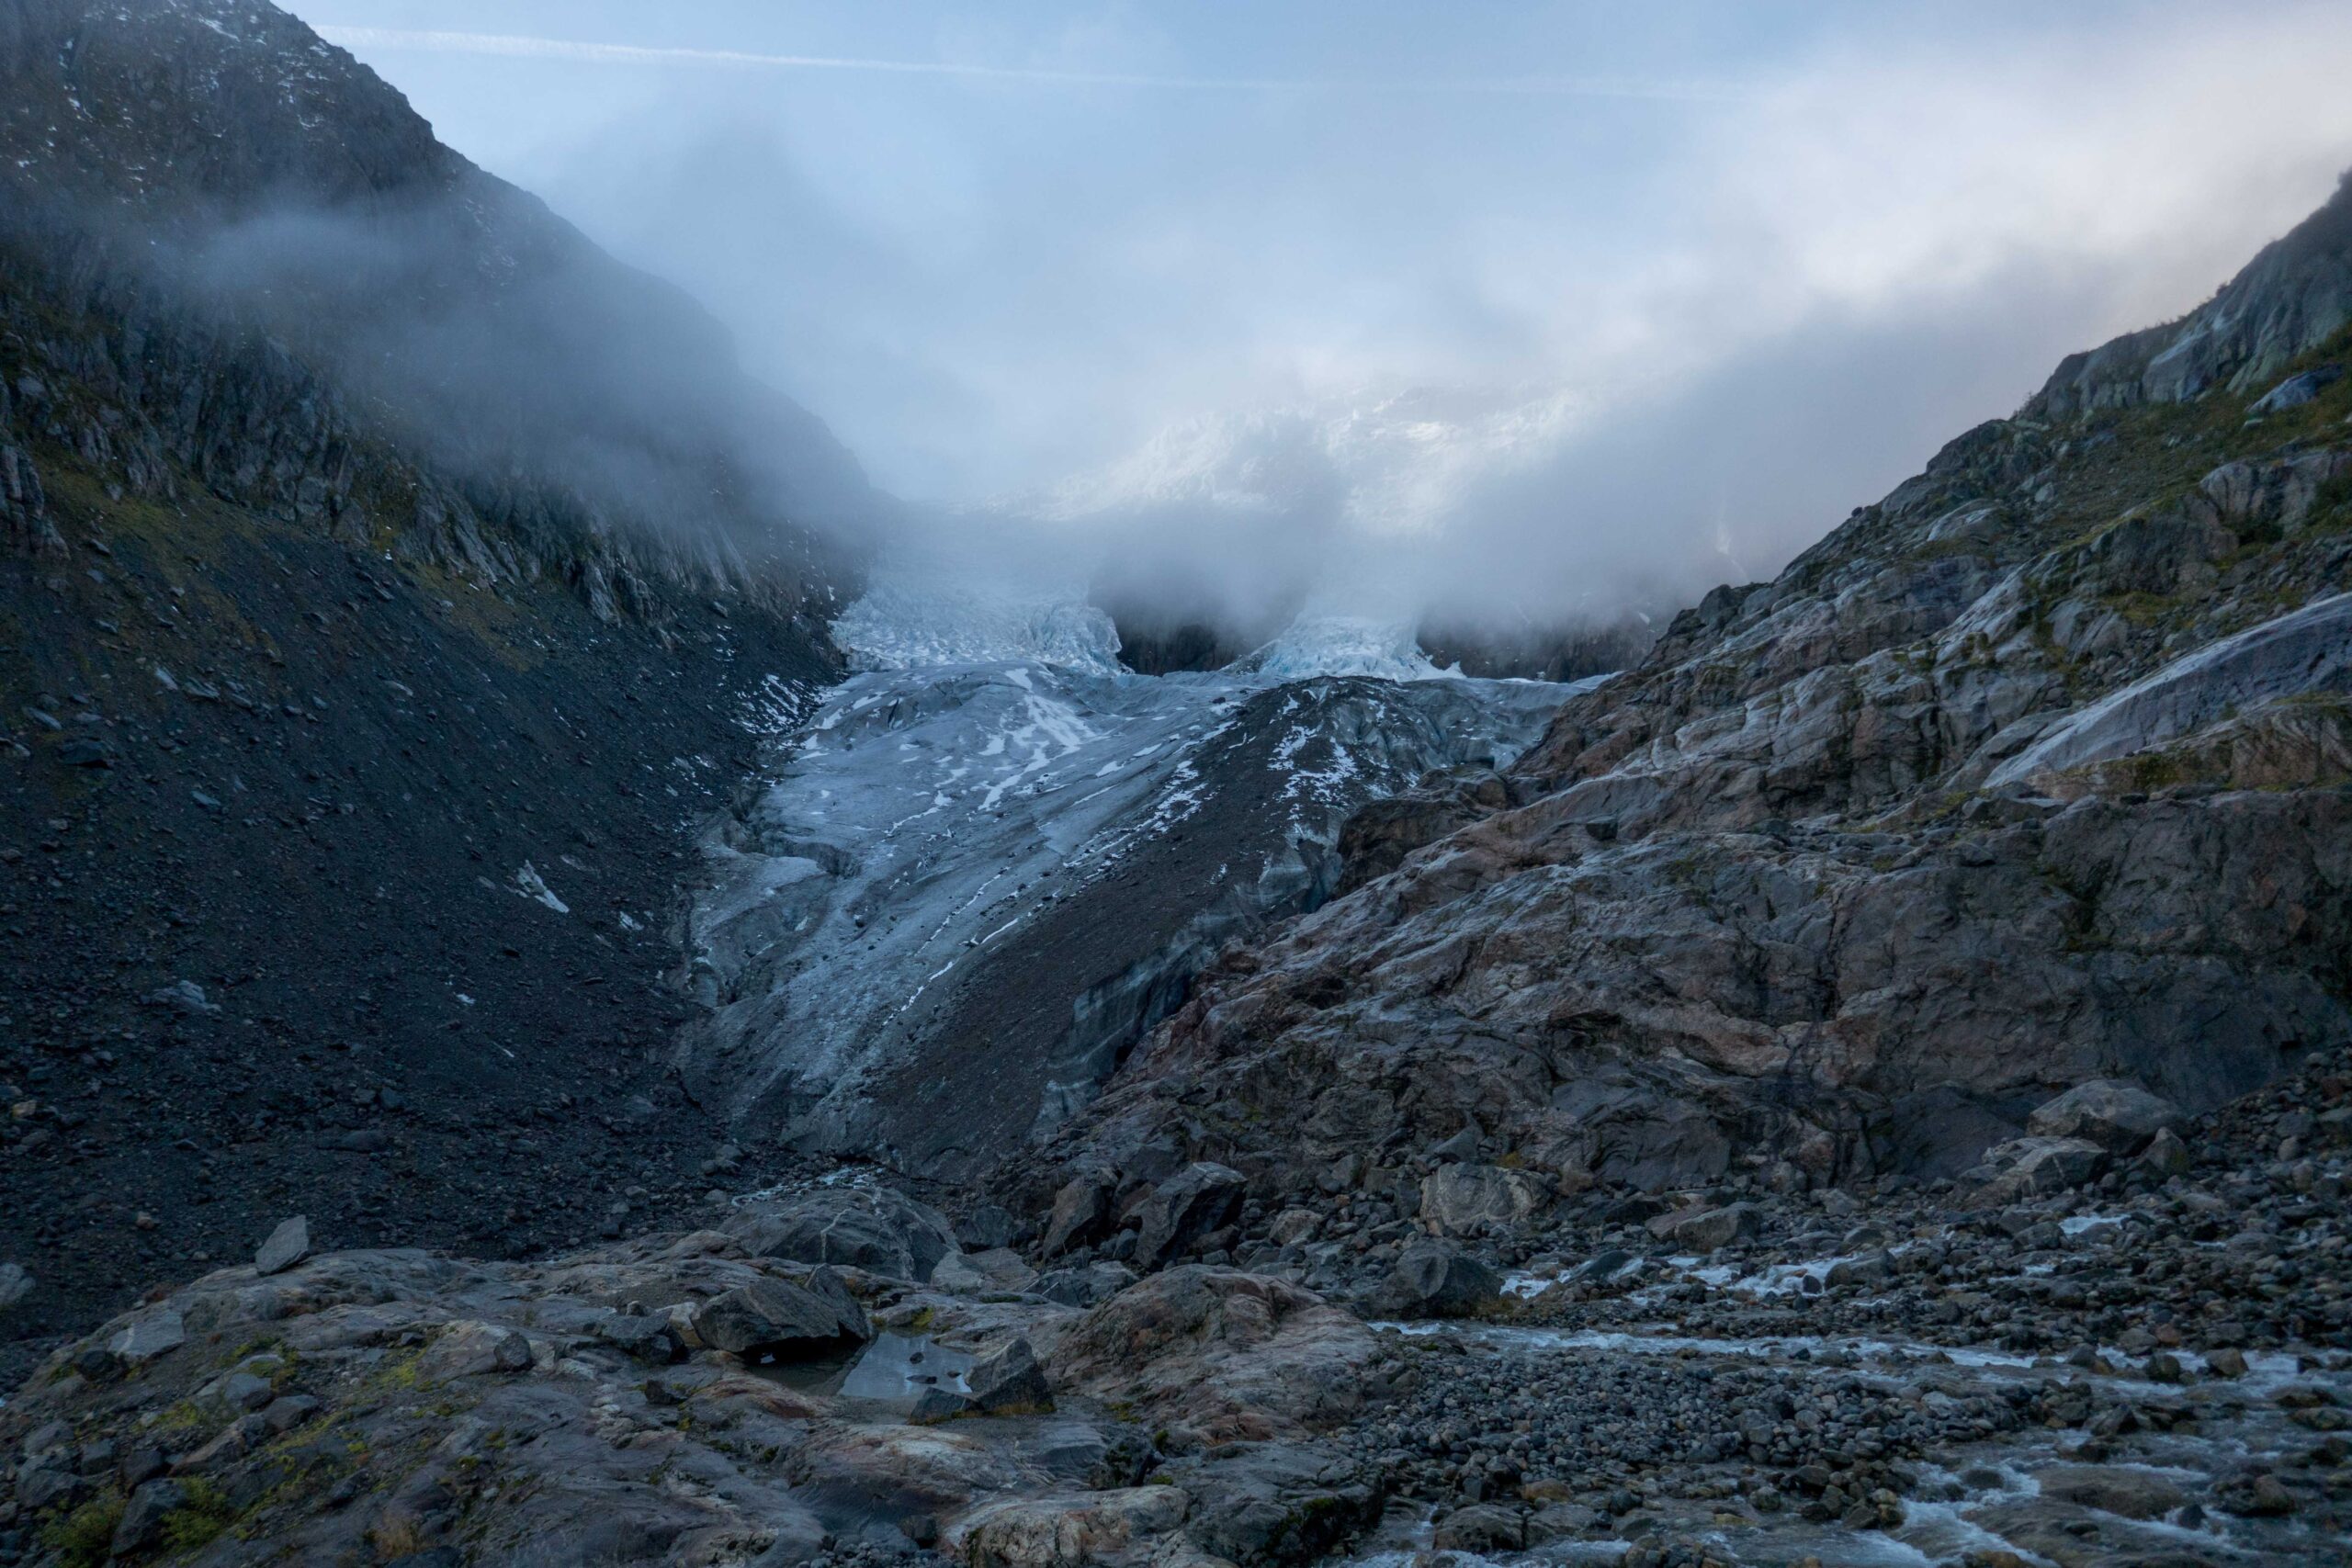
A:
x: 2294, y: 296
x: 1185, y: 1208
x: 349, y: 708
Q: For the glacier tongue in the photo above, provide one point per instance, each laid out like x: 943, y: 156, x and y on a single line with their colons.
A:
x: 970, y: 883
x: 1317, y: 644
x: 902, y: 627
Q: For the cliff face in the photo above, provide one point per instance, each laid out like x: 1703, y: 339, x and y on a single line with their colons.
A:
x: 2033, y: 773
x: 218, y: 195
x: 390, y: 581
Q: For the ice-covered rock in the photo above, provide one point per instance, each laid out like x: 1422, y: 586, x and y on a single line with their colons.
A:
x: 1343, y: 645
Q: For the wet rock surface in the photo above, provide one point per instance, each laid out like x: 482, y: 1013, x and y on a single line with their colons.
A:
x: 2148, y: 1361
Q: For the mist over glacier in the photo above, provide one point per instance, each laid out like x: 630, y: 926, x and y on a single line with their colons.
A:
x: 1248, y: 318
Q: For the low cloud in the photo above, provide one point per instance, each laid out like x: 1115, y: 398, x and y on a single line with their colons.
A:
x: 1240, y: 340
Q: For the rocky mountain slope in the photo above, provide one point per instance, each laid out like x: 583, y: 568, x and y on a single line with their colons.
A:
x: 356, y: 730
x: 2031, y: 773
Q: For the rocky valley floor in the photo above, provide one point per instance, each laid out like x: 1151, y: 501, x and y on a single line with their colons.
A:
x: 2146, y: 1359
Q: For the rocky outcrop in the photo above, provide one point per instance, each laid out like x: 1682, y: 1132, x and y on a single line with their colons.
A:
x: 2024, y: 777
x: 1227, y: 1355
x: 323, y: 296
x: 383, y: 1404
x: 2294, y: 296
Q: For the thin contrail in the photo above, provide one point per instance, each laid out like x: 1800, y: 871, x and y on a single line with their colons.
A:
x: 637, y: 54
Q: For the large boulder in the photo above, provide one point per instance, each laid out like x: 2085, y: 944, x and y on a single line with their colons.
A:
x: 1090, y: 1286
x: 1199, y: 1199
x: 1069, y: 1533
x: 1257, y: 1504
x: 1229, y: 1355
x: 1083, y: 1212
x: 1434, y: 1279
x: 778, y: 1320
x: 1464, y: 1200
x: 470, y: 1349
x: 1704, y: 1230
x: 2038, y: 1166
x: 871, y: 1228
x: 284, y: 1247
x: 2116, y: 1115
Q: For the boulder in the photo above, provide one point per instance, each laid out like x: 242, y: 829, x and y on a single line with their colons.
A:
x: 1228, y: 1354
x: 1009, y: 1380
x: 645, y: 1336
x: 1482, y: 1528
x: 872, y: 1228
x: 2040, y: 1165
x: 474, y: 1350
x: 16, y: 1285
x: 1199, y: 1199
x: 1069, y: 1533
x: 1081, y: 1212
x: 151, y: 1335
x: 287, y: 1245
x: 1463, y: 1199
x: 1093, y: 1284
x: 777, y: 1320
x: 1704, y: 1230
x: 142, y: 1525
x: 977, y: 1273
x: 2166, y: 1155
x: 1272, y: 1502
x: 1434, y: 1279
x: 2129, y: 1493
x: 2116, y: 1115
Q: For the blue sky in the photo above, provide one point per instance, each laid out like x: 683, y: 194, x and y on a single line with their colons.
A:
x: 1560, y: 217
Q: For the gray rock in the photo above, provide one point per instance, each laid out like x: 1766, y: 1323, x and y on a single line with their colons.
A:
x: 1462, y: 1145
x: 1434, y: 1279
x: 245, y: 1392
x: 2166, y: 1155
x: 157, y: 1332
x: 185, y: 996
x: 1463, y: 1199
x: 987, y: 1228
x: 876, y: 1229
x: 775, y: 1319
x: 1082, y: 1213
x: 142, y: 1525
x: 647, y: 1336
x: 2116, y: 1115
x: 2041, y: 1165
x: 1707, y: 1229
x: 2305, y: 651
x: 1197, y: 1200
x: 288, y: 1245
x: 2132, y: 1493
x: 1482, y: 1528
x: 1009, y: 1380
x: 1085, y: 1287
x: 2295, y: 392
x: 474, y: 1350
x: 16, y: 1285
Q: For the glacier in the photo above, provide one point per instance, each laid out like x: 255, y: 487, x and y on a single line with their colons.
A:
x: 985, y: 865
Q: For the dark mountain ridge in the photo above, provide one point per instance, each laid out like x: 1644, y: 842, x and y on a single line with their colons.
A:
x: 390, y: 580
